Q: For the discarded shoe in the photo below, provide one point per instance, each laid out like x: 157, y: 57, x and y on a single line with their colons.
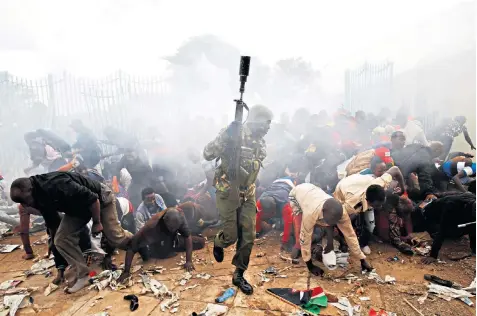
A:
x: 134, y: 301
x: 218, y: 254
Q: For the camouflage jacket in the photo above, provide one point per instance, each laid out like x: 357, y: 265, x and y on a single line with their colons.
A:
x: 253, y: 153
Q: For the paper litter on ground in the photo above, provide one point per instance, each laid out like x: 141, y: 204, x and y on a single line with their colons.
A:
x: 447, y: 293
x: 50, y: 289
x: 204, y: 276
x: 15, y: 302
x: 8, y: 248
x: 10, y: 284
x: 185, y: 278
x: 389, y: 279
x: 214, y: 310
x: 109, y: 278
x: 344, y: 305
x: 41, y: 267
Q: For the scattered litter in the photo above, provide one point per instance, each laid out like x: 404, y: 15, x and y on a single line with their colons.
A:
x: 50, y: 289
x: 101, y: 314
x: 174, y: 310
x: 15, y: 302
x: 344, y: 305
x: 109, y: 278
x: 204, y: 276
x: 175, y: 269
x: 226, y: 295
x: 263, y: 279
x: 213, y: 310
x: 374, y: 276
x: 10, y: 284
x: 160, y: 291
x: 108, y: 308
x: 8, y: 248
x: 260, y: 255
x: 422, y: 299
x: 389, y: 279
x: 136, y: 268
x: 467, y: 301
x: 391, y: 259
x: 167, y: 304
x: 270, y: 270
x: 185, y: 278
x: 21, y: 290
x: 156, y: 270
x: 364, y: 298
x: 447, y: 293
x: 43, y: 240
x: 190, y: 287
x: 471, y: 287
x: 422, y: 251
x: 381, y: 312
x: 40, y: 267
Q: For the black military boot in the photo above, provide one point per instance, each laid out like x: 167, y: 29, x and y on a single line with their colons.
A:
x: 218, y: 253
x: 239, y: 281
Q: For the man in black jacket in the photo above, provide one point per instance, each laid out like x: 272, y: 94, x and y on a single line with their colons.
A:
x: 81, y: 199
x: 416, y: 158
x: 443, y: 216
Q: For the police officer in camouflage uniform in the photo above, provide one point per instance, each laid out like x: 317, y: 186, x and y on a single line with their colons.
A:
x: 238, y: 215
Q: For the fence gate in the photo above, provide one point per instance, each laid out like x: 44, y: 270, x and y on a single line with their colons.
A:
x: 124, y: 101
x: 369, y: 87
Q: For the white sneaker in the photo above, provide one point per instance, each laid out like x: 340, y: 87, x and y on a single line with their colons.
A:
x: 366, y: 250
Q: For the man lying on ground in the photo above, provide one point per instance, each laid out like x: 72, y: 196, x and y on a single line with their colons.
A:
x: 165, y: 233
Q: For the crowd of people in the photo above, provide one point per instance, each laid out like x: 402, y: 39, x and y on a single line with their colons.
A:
x: 317, y: 178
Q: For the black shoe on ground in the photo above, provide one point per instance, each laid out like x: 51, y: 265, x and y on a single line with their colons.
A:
x: 239, y: 281
x: 218, y: 254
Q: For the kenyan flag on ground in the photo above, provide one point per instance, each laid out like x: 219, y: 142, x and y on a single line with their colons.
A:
x: 310, y: 300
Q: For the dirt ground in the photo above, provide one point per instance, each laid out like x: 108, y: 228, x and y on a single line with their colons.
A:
x: 409, y: 274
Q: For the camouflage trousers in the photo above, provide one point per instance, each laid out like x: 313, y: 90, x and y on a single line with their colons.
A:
x: 238, y: 226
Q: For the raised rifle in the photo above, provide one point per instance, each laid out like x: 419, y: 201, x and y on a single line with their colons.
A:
x: 233, y: 172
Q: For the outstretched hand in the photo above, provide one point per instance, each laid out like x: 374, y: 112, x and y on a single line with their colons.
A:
x: 189, y: 266
x: 365, y: 266
x: 315, y: 270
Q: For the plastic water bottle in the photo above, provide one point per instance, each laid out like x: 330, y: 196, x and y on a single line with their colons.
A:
x: 227, y: 294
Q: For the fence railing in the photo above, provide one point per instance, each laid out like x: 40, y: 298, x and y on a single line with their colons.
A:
x: 368, y: 87
x: 53, y: 101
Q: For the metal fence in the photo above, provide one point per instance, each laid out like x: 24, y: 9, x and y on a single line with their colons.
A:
x: 53, y: 101
x: 368, y: 87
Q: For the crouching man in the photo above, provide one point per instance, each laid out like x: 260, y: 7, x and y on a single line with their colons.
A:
x: 319, y: 208
x: 80, y: 199
x: 162, y: 232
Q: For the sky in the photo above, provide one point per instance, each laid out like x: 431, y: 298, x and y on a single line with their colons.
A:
x: 97, y: 37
